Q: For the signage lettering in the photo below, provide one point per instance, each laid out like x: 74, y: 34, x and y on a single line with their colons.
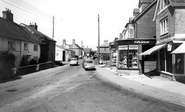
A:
x: 141, y: 42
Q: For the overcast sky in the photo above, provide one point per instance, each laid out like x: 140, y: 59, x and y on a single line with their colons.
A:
x: 74, y: 19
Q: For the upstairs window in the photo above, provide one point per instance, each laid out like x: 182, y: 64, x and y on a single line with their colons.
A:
x: 164, y: 26
x: 131, y: 33
x: 35, y: 48
x: 25, y: 46
x: 104, y: 49
x: 11, y: 45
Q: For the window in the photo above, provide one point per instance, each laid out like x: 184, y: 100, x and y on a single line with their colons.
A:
x: 11, y: 45
x: 131, y: 32
x: 104, y: 49
x: 163, y: 4
x: 25, y: 46
x: 164, y: 26
x: 35, y: 48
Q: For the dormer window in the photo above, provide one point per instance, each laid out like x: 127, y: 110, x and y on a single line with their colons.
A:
x: 163, y: 4
x: 164, y: 26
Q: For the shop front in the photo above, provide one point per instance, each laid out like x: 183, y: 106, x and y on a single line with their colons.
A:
x: 128, y: 50
x: 170, y: 57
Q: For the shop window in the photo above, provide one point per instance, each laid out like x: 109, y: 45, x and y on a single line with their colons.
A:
x: 128, y: 58
x: 179, y: 63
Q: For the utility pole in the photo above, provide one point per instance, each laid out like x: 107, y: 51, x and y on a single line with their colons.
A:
x: 98, y: 39
x: 53, y: 27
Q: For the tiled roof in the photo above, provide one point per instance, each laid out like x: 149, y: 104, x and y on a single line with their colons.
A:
x: 14, y: 31
x: 37, y: 32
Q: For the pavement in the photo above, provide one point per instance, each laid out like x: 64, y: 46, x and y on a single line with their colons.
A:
x: 156, y: 86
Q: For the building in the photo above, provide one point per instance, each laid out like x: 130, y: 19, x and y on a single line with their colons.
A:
x: 104, y: 51
x: 14, y: 39
x: 87, y: 51
x: 138, y: 36
x: 17, y: 46
x: 67, y: 52
x: 47, y: 44
x: 170, y: 32
x: 76, y: 48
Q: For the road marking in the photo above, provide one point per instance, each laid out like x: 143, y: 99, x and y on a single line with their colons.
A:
x: 64, y: 91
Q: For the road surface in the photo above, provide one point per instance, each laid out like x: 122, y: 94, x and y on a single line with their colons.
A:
x: 72, y: 89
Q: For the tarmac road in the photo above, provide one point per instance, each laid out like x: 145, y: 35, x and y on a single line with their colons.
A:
x: 72, y: 89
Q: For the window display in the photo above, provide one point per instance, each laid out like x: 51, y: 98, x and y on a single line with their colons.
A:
x: 128, y: 57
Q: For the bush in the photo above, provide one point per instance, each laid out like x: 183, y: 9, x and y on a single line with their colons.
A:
x: 5, y: 55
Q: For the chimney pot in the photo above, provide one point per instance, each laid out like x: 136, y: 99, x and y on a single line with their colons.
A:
x: 8, y: 15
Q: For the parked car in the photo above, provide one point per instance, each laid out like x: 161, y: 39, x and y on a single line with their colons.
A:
x: 88, y: 64
x: 74, y: 61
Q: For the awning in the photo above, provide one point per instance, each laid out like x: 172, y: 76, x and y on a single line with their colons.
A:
x: 180, y: 49
x: 153, y: 49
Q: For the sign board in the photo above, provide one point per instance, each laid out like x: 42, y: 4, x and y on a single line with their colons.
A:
x: 149, y: 66
x: 123, y: 47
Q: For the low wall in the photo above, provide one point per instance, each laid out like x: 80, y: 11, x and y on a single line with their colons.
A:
x: 31, y: 68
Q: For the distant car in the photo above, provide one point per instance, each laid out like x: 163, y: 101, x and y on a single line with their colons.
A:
x: 74, y: 61
x: 88, y: 64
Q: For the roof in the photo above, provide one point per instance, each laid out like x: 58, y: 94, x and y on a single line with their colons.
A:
x: 62, y: 47
x: 37, y: 32
x: 87, y: 50
x: 145, y: 10
x: 76, y: 46
x: 176, y: 3
x: 105, y: 45
x: 14, y: 31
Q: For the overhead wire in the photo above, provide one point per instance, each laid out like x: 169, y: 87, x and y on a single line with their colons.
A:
x: 6, y: 1
x: 32, y: 10
x: 30, y: 7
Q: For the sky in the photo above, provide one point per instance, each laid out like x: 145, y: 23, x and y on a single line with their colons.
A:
x: 74, y: 19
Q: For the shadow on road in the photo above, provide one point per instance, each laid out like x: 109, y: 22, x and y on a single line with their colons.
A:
x: 10, y: 79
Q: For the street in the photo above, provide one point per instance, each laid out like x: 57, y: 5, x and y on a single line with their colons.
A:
x: 72, y: 89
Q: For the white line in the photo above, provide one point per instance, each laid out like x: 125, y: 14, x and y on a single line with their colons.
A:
x: 63, y: 91
x: 70, y: 88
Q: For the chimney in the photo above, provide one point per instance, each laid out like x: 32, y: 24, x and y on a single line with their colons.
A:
x: 143, y: 4
x: 73, y: 41
x: 34, y: 25
x: 136, y: 11
x: 8, y: 15
x: 64, y: 41
x: 82, y: 44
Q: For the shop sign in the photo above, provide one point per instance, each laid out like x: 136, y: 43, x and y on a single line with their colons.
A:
x: 141, y: 42
x: 133, y: 47
x: 123, y: 47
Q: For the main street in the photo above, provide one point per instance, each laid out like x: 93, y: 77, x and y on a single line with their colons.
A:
x: 72, y: 89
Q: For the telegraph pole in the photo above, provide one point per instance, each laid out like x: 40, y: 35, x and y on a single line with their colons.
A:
x: 98, y: 39
x: 53, y: 27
